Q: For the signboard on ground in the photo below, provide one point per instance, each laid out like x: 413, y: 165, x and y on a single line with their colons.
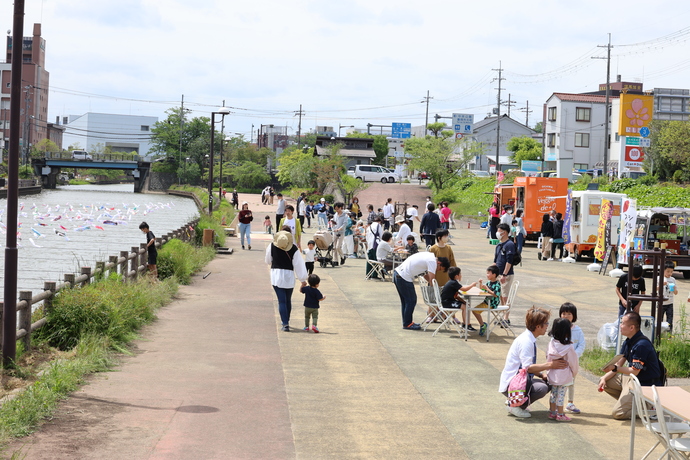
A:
x: 462, y: 123
x: 401, y: 130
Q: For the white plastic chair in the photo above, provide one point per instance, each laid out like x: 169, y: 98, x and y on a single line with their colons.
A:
x: 678, y: 448
x: 376, y: 268
x: 674, y: 428
x: 446, y: 315
x: 499, y: 312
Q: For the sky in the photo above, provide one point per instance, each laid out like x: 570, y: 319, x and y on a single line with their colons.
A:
x: 347, y: 62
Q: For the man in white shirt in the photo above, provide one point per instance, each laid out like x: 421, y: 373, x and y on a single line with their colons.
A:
x: 507, y: 217
x: 412, y: 215
x: 523, y: 354
x: 388, y: 210
x: 403, y: 278
x: 339, y: 224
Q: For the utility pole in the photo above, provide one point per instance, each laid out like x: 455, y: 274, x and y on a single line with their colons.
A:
x: 222, y: 142
x: 498, y: 114
x: 509, y: 103
x: 426, y: 123
x: 527, y: 112
x: 179, y: 161
x: 608, y: 99
x: 299, y: 127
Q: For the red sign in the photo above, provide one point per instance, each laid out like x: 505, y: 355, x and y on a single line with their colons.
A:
x: 634, y: 154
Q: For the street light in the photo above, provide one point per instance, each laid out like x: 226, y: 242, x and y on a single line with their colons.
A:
x: 343, y: 126
x: 221, y: 111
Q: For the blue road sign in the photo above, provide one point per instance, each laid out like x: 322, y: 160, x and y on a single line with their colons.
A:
x: 644, y: 132
x: 401, y: 130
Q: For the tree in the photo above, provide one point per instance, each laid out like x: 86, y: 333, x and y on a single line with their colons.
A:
x: 524, y: 148
x: 539, y: 126
x: 440, y: 158
x: 249, y: 175
x: 41, y: 147
x: 297, y: 167
x: 670, y: 148
x: 436, y: 128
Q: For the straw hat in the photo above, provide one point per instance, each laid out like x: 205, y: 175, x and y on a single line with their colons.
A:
x: 283, y: 240
x: 399, y: 219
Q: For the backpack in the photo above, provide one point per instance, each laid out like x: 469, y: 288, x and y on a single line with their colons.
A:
x: 517, y: 389
x: 517, y: 258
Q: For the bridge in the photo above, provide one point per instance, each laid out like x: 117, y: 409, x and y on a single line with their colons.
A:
x: 50, y: 166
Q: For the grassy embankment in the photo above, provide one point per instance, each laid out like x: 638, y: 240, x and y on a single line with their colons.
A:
x: 88, y: 326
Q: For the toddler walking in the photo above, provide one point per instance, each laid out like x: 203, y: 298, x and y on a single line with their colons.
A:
x: 309, y: 254
x: 312, y: 297
x: 561, y: 347
x: 569, y: 312
x: 268, y: 225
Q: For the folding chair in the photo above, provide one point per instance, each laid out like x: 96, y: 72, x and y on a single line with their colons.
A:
x: 678, y: 448
x: 375, y: 268
x: 499, y: 312
x: 673, y: 428
x: 444, y: 314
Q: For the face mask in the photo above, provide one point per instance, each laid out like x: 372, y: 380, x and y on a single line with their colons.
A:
x: 499, y: 235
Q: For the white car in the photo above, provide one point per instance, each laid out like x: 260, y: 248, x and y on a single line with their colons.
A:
x: 480, y: 173
x: 373, y: 173
x: 81, y: 155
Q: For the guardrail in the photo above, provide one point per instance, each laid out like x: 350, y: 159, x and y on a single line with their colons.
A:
x: 94, y: 156
x: 129, y: 264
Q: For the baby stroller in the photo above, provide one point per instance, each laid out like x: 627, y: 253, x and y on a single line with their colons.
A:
x: 324, y: 248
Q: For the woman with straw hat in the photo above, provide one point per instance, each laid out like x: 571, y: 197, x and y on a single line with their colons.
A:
x: 286, y: 262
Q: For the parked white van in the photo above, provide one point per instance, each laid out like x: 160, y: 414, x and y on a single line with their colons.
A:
x: 81, y: 155
x: 373, y: 173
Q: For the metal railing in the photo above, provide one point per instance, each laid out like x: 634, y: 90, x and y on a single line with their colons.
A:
x: 94, y: 156
x: 129, y: 265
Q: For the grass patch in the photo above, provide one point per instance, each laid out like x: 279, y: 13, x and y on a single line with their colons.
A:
x: 181, y: 260
x: 594, y: 358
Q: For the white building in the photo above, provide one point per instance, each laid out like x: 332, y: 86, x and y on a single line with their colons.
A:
x: 575, y: 131
x: 122, y: 133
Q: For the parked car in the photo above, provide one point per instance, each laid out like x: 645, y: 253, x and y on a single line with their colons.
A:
x: 422, y: 175
x: 81, y: 155
x: 374, y: 173
x: 480, y: 173
x: 576, y: 176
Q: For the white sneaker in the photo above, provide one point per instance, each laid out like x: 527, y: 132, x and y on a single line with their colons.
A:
x: 550, y: 259
x: 518, y: 412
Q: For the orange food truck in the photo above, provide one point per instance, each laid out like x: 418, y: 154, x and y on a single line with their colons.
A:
x: 536, y: 196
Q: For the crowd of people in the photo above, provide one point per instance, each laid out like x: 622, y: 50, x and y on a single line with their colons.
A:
x: 380, y: 235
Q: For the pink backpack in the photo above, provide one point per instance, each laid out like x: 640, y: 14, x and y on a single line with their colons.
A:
x: 517, y: 389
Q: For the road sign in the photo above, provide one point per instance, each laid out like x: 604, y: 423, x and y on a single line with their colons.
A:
x: 459, y: 135
x: 401, y: 130
x: 462, y: 123
x: 632, y: 140
x: 645, y: 142
x: 644, y: 131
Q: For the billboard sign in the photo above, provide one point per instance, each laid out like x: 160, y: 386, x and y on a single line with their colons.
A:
x: 634, y: 156
x: 401, y: 130
x: 636, y: 113
x: 462, y: 123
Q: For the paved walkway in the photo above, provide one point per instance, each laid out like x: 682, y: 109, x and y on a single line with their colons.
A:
x: 215, y: 378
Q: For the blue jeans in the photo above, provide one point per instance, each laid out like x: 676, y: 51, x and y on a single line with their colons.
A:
x: 408, y: 298
x: 323, y: 219
x: 245, y: 229
x: 284, y: 303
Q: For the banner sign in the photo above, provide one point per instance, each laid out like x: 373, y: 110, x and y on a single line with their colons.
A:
x: 628, y: 218
x: 568, y: 217
x: 604, y: 232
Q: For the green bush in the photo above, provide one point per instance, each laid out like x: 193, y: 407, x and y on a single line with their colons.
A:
x: 678, y: 176
x: 106, y: 309
x: 622, y: 185
x: 181, y: 260
x: 648, y: 180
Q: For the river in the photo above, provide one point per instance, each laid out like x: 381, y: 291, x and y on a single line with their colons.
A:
x: 77, y: 225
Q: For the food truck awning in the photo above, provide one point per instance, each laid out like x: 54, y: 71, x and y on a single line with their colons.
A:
x: 670, y: 210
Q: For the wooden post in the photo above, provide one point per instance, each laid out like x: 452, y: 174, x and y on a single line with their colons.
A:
x: 25, y: 318
x: 86, y: 271
x: 2, y: 308
x: 123, y: 267
x: 48, y: 303
x: 113, y: 261
x: 100, y: 270
x: 143, y: 256
x: 135, y: 262
x: 69, y: 278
